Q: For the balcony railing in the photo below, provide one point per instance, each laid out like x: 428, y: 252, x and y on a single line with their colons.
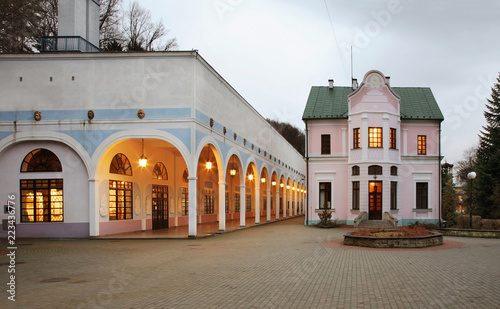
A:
x: 67, y: 44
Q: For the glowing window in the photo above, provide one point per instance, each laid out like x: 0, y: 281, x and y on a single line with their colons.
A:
x: 120, y: 165
x: 422, y: 144
x: 375, y: 137
x: 120, y: 200
x: 160, y: 172
x: 356, y: 137
x: 42, y: 200
x: 392, y: 143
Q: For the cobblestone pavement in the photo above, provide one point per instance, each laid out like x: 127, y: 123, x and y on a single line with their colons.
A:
x: 279, y: 265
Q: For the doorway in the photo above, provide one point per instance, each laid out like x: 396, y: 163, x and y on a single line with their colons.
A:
x: 160, y: 207
x: 375, y: 200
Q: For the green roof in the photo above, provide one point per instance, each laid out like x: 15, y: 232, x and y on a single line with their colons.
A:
x: 331, y: 103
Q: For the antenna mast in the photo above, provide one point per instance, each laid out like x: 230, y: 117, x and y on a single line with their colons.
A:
x: 351, y: 66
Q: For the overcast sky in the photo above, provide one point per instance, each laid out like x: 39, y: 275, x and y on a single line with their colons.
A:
x: 273, y: 51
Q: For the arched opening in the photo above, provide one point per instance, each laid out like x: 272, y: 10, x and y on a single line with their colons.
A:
x: 274, y: 195
x: 288, y: 205
x: 265, y: 196
x: 41, y: 198
x: 234, y: 172
x: 251, y: 184
x: 132, y: 197
x: 208, y: 168
x: 282, y: 197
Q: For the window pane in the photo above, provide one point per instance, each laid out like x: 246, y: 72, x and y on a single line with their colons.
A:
x: 325, y: 144
x: 394, y: 195
x: 42, y: 200
x: 422, y: 144
x: 393, y: 138
x: 120, y: 200
x: 356, y: 138
x: 325, y: 195
x: 355, y: 195
x: 375, y: 137
x: 422, y: 195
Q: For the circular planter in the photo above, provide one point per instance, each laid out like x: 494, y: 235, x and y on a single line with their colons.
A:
x: 435, y: 239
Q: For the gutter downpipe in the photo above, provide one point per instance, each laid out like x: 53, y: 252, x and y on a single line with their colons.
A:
x: 307, y: 174
x: 440, y: 180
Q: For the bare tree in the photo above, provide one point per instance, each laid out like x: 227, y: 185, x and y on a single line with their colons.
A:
x: 23, y: 22
x: 109, y: 25
x: 141, y: 34
x: 466, y: 165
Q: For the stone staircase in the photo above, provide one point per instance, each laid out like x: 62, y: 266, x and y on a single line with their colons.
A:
x: 373, y: 224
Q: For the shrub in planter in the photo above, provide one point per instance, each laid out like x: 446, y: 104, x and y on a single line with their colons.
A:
x: 325, y: 218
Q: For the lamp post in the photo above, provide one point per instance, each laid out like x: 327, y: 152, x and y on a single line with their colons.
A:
x: 471, y: 176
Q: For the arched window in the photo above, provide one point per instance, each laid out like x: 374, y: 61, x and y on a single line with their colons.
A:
x: 160, y: 171
x: 355, y: 170
x: 120, y: 165
x: 374, y: 170
x: 41, y: 160
x: 394, y: 171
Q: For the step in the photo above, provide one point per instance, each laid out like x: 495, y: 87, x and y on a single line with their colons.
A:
x: 376, y: 224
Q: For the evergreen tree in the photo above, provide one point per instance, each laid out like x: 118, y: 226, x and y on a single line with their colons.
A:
x: 487, y: 184
x: 450, y: 203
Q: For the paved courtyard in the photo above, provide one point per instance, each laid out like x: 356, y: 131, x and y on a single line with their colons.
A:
x: 278, y: 265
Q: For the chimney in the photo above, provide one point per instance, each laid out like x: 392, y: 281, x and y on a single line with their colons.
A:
x: 354, y: 84
x: 330, y: 83
x: 387, y: 80
x: 79, y: 18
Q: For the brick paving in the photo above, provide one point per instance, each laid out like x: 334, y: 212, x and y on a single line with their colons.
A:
x: 279, y: 265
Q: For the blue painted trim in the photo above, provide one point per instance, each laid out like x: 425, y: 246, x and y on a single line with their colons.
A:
x: 404, y: 222
x: 313, y: 222
x: 91, y: 139
x: 100, y: 114
x: 184, y: 135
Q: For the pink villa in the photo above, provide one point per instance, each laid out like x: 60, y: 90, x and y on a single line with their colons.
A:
x: 373, y: 153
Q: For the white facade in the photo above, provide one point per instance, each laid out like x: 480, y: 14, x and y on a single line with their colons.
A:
x: 95, y: 106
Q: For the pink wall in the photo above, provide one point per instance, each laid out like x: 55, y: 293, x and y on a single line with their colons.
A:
x: 335, y: 131
x: 428, y: 129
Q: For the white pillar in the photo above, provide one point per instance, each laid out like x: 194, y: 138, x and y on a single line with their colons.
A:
x: 364, y: 137
x: 94, y: 205
x: 243, y: 208
x: 344, y: 141
x: 285, y: 208
x: 222, y: 206
x: 405, y: 142
x: 268, y: 206
x: 386, y: 136
x: 290, y: 204
x: 257, y: 204
x: 295, y: 193
x: 192, y: 206
x: 277, y: 198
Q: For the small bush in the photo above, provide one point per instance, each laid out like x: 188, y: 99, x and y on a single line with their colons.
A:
x: 463, y: 222
x: 497, y: 224
x: 428, y: 226
x: 488, y: 224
